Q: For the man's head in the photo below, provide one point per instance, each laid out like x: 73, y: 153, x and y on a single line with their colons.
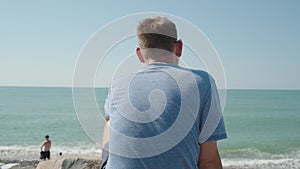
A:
x: 47, y: 137
x: 157, y: 39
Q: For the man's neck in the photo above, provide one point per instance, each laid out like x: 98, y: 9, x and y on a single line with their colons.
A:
x: 168, y: 60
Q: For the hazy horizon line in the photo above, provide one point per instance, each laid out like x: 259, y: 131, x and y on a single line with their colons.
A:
x: 52, y: 86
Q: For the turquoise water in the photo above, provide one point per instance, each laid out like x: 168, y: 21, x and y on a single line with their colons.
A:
x: 27, y: 114
x: 261, y: 124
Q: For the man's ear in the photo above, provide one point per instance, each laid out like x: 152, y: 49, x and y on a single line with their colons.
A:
x: 178, y: 48
x: 139, y: 54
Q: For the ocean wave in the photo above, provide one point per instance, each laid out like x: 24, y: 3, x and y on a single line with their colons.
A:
x: 250, y: 158
x: 261, y: 164
x: 247, y: 158
x: 28, y: 153
x: 252, y: 153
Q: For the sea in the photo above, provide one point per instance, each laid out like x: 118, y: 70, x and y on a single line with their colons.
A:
x: 263, y: 126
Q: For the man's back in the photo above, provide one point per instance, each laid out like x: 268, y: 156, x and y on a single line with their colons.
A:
x: 160, y: 111
x: 47, y: 145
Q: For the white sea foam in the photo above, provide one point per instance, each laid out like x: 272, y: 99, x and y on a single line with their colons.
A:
x: 253, y: 153
x: 8, y: 166
x: 254, y: 160
x: 261, y: 163
x: 251, y: 158
x: 33, y: 152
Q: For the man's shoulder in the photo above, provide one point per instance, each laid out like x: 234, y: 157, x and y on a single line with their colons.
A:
x: 202, y: 76
x: 201, y: 73
x: 121, y: 79
x: 197, y: 72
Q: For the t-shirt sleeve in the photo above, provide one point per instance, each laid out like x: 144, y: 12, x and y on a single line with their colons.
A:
x: 212, y: 127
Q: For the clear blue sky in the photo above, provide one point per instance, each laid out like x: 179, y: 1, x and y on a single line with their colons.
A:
x: 258, y: 41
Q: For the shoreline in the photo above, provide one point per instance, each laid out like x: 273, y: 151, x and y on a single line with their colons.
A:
x: 67, y: 161
x: 227, y: 163
x: 288, y: 163
x: 19, y: 164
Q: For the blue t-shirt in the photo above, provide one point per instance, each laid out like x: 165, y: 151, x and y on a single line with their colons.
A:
x: 159, y: 116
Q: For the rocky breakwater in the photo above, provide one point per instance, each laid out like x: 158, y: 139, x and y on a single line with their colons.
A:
x: 71, y: 162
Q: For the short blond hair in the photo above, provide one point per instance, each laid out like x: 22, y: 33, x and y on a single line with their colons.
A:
x: 157, y: 32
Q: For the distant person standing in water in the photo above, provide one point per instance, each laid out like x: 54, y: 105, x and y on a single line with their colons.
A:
x: 45, y: 148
